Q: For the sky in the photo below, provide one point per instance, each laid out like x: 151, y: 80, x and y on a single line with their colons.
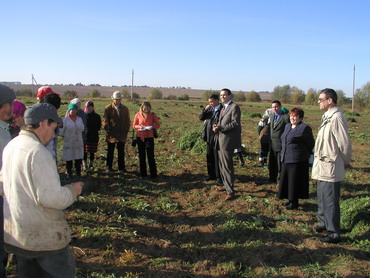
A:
x: 242, y: 45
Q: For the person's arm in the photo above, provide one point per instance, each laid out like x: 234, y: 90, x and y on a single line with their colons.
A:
x: 106, y: 120
x: 340, y: 132
x: 206, y: 113
x: 135, y: 123
x: 308, y: 139
x: 46, y: 183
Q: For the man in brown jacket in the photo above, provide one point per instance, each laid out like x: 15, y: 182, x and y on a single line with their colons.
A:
x: 116, y: 122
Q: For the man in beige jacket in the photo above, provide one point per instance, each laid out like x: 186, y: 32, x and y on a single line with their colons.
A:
x: 333, y: 151
x: 35, y: 228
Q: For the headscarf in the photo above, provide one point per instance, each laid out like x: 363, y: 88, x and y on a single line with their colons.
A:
x: 75, y: 100
x: 72, y: 106
x: 88, y: 103
x: 18, y: 109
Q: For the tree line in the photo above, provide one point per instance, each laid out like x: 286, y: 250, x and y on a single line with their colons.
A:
x: 285, y: 94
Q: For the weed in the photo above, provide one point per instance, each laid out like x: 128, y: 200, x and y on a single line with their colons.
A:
x: 128, y: 257
x: 159, y: 262
x: 165, y: 204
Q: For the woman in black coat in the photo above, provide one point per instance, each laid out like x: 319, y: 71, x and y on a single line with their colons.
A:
x: 297, y: 144
x: 93, y: 125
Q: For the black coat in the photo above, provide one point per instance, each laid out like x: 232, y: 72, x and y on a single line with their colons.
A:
x: 207, y: 115
x: 93, y: 126
x: 297, y: 143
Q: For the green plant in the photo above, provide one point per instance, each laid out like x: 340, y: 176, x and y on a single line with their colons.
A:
x: 165, y: 204
x: 354, y: 210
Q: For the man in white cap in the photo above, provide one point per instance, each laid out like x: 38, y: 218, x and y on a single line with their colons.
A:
x: 35, y: 228
x: 7, y: 96
x: 116, y: 122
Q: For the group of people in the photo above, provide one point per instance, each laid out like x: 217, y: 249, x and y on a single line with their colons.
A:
x: 32, y: 200
x: 290, y: 143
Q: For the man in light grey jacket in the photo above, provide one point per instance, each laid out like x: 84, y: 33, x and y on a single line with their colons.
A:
x: 333, y: 151
x: 35, y: 228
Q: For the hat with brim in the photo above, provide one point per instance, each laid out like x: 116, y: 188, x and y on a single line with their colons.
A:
x: 117, y: 95
x: 39, y: 112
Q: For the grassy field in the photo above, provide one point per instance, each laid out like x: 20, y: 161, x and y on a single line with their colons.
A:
x: 179, y: 226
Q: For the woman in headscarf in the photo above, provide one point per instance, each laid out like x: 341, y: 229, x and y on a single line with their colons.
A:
x: 92, y: 134
x: 73, y: 147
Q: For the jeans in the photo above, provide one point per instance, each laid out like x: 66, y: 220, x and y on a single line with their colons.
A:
x: 58, y: 265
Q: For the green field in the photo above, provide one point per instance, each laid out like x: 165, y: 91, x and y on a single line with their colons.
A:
x: 179, y: 226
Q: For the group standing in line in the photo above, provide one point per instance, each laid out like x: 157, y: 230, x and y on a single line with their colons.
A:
x: 32, y: 218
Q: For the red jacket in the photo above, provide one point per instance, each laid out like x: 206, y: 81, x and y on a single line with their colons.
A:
x: 150, y: 120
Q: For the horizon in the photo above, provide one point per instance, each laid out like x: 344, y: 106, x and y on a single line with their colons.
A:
x: 204, y: 45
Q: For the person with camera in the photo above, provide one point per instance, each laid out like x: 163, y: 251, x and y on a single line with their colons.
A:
x: 146, y: 123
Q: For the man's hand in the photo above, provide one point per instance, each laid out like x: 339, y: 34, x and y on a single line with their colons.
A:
x: 77, y: 186
x: 215, y: 128
x: 208, y: 107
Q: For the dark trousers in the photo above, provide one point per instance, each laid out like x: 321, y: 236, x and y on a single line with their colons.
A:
x: 274, y: 166
x: 69, y: 166
x: 264, y: 150
x: 121, y: 155
x: 91, y: 156
x: 212, y: 162
x: 58, y: 265
x: 147, y: 147
x: 328, y: 214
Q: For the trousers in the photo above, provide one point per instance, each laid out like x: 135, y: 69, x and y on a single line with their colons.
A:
x: 328, y: 214
x: 121, y: 155
x: 58, y: 265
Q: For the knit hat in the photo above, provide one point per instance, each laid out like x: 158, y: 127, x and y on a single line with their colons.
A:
x: 72, y: 106
x: 7, y: 95
x: 43, y: 91
x: 18, y: 109
x: 41, y: 111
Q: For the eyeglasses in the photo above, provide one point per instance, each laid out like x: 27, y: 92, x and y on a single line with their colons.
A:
x: 322, y: 99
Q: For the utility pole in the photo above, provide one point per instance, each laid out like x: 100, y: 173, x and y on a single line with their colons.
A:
x: 33, y: 85
x: 132, y: 83
x: 353, y: 88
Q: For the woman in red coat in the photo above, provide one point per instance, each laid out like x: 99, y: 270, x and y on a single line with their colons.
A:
x: 145, y: 122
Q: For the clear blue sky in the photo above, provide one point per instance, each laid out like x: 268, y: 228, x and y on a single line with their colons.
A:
x: 242, y: 45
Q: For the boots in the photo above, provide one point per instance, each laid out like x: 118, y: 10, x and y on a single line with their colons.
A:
x: 91, y: 165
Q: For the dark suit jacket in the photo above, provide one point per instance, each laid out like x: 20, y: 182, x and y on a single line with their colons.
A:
x: 275, y: 132
x: 229, y: 134
x: 297, y: 143
x: 210, y: 119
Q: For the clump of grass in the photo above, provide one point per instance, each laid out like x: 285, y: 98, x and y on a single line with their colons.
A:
x: 165, y: 204
x: 128, y: 257
x: 353, y: 211
x: 192, y: 141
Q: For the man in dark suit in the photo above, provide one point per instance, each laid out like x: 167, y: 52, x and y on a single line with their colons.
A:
x: 228, y: 138
x: 277, y: 126
x: 210, y: 116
